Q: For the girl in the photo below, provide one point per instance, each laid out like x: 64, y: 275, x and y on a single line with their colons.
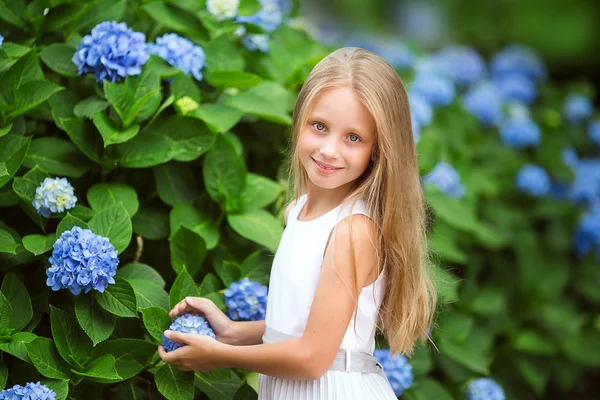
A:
x: 352, y: 254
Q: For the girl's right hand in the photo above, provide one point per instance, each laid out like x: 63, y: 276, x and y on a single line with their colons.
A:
x: 223, y: 327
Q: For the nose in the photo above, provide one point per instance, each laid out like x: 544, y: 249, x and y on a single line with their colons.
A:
x: 330, y: 147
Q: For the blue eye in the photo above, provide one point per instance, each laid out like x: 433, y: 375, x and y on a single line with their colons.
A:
x: 353, y: 138
x: 319, y: 126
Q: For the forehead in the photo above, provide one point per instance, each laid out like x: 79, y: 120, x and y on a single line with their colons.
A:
x: 342, y: 109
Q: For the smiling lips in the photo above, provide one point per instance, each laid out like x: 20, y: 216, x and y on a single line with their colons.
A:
x: 325, y: 166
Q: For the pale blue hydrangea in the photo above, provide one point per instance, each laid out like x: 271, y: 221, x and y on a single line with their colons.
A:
x: 396, y: 368
x: 516, y: 88
x: 223, y: 9
x: 484, y: 389
x: 569, y: 158
x: 54, y: 195
x: 1, y: 40
x: 436, y: 89
x: 395, y: 52
x: 518, y: 60
x: 586, y: 185
x: 420, y: 109
x: 268, y: 18
x: 594, y: 132
x: 181, y: 53
x: 256, y: 42
x: 416, y: 130
x: 446, y: 179
x: 431, y: 64
x: 533, y: 180
x: 246, y: 300
x: 520, y: 132
x: 82, y: 260
x: 464, y: 65
x: 188, y: 323
x: 31, y: 391
x: 587, y: 234
x: 111, y: 51
x: 577, y: 108
x: 484, y: 102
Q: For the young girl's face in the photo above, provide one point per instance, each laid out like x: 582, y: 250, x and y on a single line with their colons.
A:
x: 336, y: 144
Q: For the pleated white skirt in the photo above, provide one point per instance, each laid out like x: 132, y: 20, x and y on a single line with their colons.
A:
x: 334, y: 385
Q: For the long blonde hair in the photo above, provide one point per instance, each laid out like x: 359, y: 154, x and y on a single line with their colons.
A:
x: 390, y: 186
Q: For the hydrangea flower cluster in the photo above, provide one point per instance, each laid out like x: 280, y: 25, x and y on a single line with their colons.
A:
x: 223, y: 9
x: 111, y: 51
x: 181, y: 53
x: 82, y: 260
x: 256, y: 42
x: 436, y: 89
x: 397, y: 369
x: 515, y: 71
x: 464, y: 65
x: 31, y: 391
x: 446, y: 179
x: 533, y: 180
x: 421, y: 113
x: 485, y: 389
x: 484, y: 102
x: 585, y: 189
x: 395, y: 52
x: 1, y: 40
x: 587, y: 235
x: 268, y: 18
x: 520, y: 132
x: 54, y: 195
x: 246, y: 300
x: 594, y: 132
x: 516, y: 88
x: 578, y: 108
x: 188, y: 323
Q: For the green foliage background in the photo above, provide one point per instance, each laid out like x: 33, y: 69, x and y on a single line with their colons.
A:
x: 186, y: 179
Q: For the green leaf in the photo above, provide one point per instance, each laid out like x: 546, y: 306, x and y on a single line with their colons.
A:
x: 190, y: 137
x: 110, y: 133
x: 5, y: 313
x: 228, y: 271
x: 442, y: 243
x: 58, y: 57
x: 31, y: 95
x: 97, y: 323
x: 452, y: 211
x: 446, y: 284
x: 39, y: 244
x: 13, y: 150
x: 184, y: 86
x: 72, y: 344
x: 219, y: 118
x: 256, y: 267
x: 210, y: 283
x: 249, y: 7
x: 6, y: 129
x: 147, y: 149
x: 183, y: 286
x: 532, y: 342
x: 193, y: 219
x: 8, y: 197
x: 89, y: 106
x: 258, y: 226
x: 141, y: 271
x: 224, y: 172
x: 149, y: 294
x: 68, y: 222
x: 259, y: 191
x: 3, y: 375
x: 472, y: 353
x: 45, y: 358
x: 268, y: 100
x: 118, y: 299
x: 156, y: 321
x: 57, y: 157
x: 222, y: 55
x: 219, y: 384
x: 24, y: 70
x: 131, y: 355
x: 99, y: 11
x: 175, y: 18
x: 151, y: 223
x: 489, y: 301
x: 175, y: 183
x: 115, y: 224
x: 17, y: 343
x: 60, y: 387
x: 174, y: 384
x: 7, y: 242
x: 105, y: 195
x: 8, y: 15
x: 427, y: 389
x: 188, y: 251
x: 233, y: 79
x: 19, y: 300
x: 100, y: 369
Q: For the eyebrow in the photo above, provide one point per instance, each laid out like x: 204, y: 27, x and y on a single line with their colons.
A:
x: 323, y: 119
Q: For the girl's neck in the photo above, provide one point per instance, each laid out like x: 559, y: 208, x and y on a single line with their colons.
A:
x: 320, y: 201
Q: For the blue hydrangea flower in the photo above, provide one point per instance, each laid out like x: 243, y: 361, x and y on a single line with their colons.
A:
x: 569, y: 158
x: 516, y: 88
x: 188, y: 323
x: 587, y: 235
x: 484, y: 102
x: 485, y: 389
x: 446, y: 179
x: 420, y: 109
x: 82, y: 260
x: 1, y: 40
x: 31, y: 391
x: 520, y: 132
x: 246, y: 300
x: 586, y: 186
x: 257, y: 42
x: 268, y: 18
x: 533, y: 180
x: 396, y: 53
x: 437, y: 90
x: 223, y: 9
x: 465, y: 65
x: 518, y: 60
x: 416, y: 130
x: 111, y: 51
x: 396, y: 368
x: 577, y: 108
x: 181, y: 53
x: 594, y: 132
x: 54, y: 195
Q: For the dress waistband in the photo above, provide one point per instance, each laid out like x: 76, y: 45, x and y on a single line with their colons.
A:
x: 345, y: 360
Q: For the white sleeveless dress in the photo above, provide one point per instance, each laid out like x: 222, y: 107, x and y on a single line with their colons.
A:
x: 354, y: 374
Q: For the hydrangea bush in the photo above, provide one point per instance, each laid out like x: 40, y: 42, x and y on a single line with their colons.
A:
x: 141, y: 161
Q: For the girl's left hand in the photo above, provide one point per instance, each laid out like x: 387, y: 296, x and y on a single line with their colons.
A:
x: 200, y: 352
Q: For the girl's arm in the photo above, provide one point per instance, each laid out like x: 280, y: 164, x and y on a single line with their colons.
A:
x: 246, y: 333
